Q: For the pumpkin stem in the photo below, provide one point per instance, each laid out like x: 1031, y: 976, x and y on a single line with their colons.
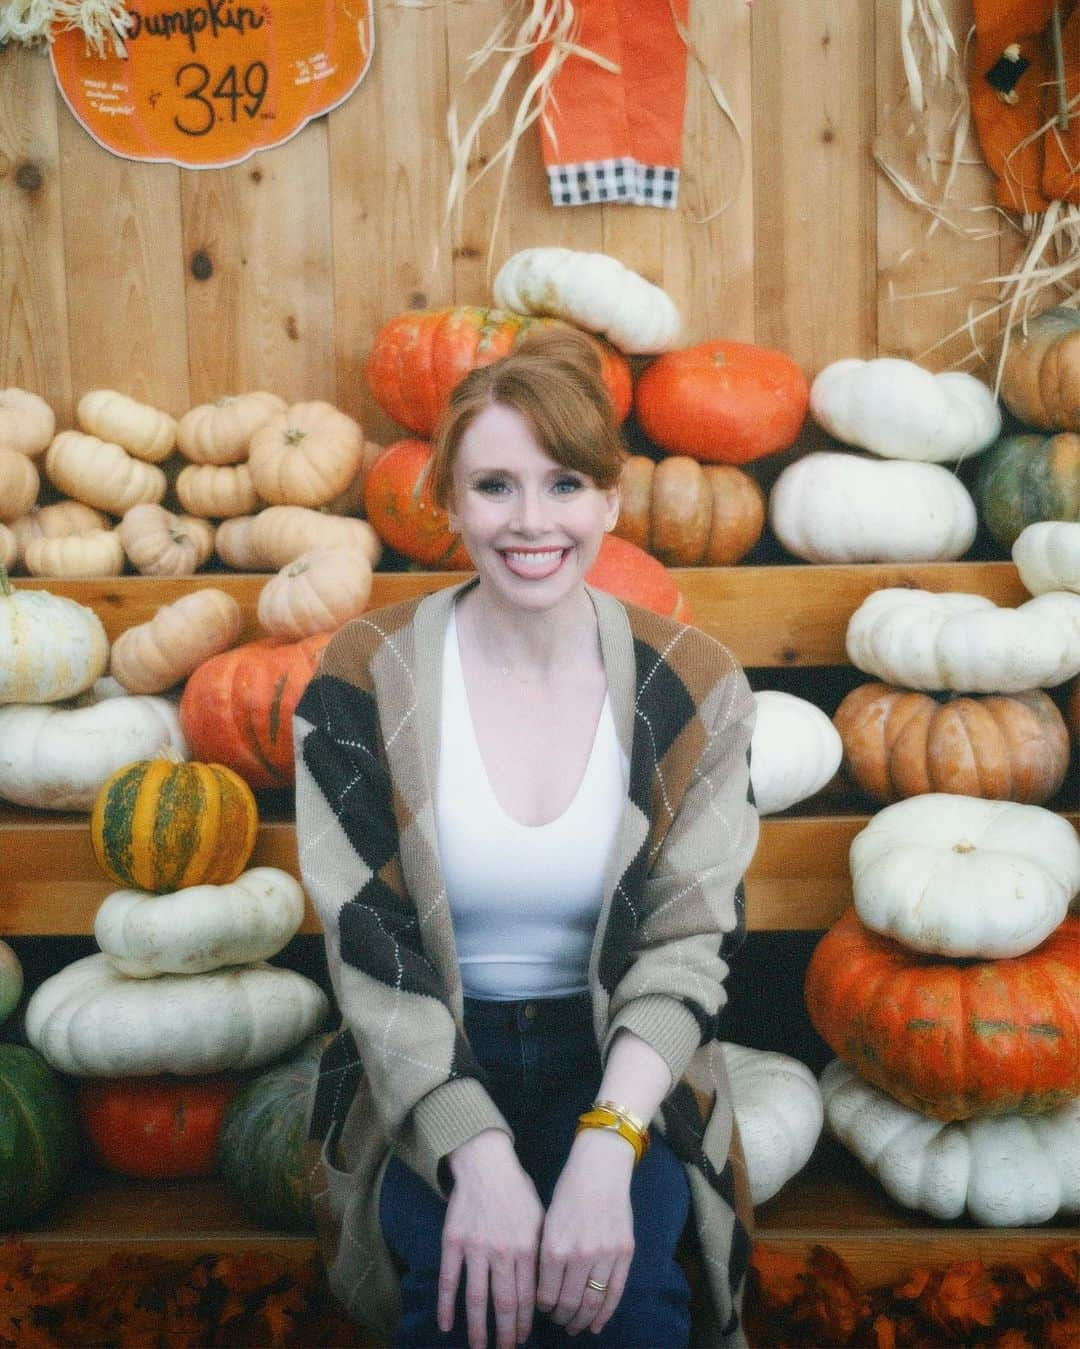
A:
x: 294, y: 435
x: 172, y: 753
x: 963, y: 846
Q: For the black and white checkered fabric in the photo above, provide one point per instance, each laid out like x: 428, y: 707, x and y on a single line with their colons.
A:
x: 613, y: 180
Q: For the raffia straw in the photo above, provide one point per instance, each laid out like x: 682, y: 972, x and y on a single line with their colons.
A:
x: 31, y: 21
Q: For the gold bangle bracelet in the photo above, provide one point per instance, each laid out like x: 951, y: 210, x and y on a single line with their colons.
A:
x: 607, y: 1119
x: 634, y: 1121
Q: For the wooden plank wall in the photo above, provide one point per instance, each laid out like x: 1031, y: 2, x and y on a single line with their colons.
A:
x: 177, y: 286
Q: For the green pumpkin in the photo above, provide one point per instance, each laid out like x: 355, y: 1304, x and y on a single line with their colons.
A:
x: 37, y: 1134
x: 262, y: 1148
x: 1027, y: 478
x: 11, y: 981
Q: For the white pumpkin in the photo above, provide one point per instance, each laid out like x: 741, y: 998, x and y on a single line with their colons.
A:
x: 918, y: 639
x: 56, y: 757
x: 795, y: 750
x: 91, y: 1021
x: 963, y: 876
x: 897, y: 409
x: 593, y: 291
x: 1005, y: 1170
x: 50, y: 647
x: 201, y: 927
x: 779, y: 1111
x: 143, y: 431
x: 1047, y: 556
x: 835, y: 507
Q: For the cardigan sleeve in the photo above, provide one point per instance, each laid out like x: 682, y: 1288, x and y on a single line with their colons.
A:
x: 690, y: 910
x: 426, y: 1086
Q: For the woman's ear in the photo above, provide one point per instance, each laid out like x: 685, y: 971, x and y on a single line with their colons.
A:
x: 611, y: 513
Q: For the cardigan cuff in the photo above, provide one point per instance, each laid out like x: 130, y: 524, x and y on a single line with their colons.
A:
x: 662, y: 1022
x: 448, y: 1116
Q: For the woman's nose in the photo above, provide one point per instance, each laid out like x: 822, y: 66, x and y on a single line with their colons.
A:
x: 531, y: 512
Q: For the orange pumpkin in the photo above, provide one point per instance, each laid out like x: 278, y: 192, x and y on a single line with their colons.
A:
x: 688, y: 515
x: 951, y: 1038
x: 399, y: 507
x: 237, y: 707
x: 722, y: 402
x: 419, y: 356
x: 157, y: 1127
x: 1002, y: 747
x: 631, y: 575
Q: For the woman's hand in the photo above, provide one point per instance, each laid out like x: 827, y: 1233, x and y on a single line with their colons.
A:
x: 588, y: 1233
x: 492, y: 1229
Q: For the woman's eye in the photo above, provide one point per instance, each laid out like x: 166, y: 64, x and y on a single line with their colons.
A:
x: 567, y: 485
x: 491, y: 486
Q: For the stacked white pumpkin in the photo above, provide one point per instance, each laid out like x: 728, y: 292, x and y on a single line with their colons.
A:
x: 897, y: 503
x: 956, y: 877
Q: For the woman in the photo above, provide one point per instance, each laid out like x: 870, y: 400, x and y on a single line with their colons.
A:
x: 523, y: 813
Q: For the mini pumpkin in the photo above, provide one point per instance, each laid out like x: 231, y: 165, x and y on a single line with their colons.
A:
x: 306, y: 455
x: 97, y: 552
x: 156, y: 1128
x: 317, y: 592
x: 100, y: 473
x: 27, y: 422
x: 1047, y: 556
x: 19, y: 484
x: 1040, y: 376
x: 234, y: 544
x: 57, y: 520
x: 794, y: 752
x: 159, y: 543
x: 220, y: 432
x: 217, y: 491
x: 280, y: 534
x: 779, y: 1111
x: 689, y: 514
x: 50, y: 647
x: 143, y: 431
x: 154, y: 656
x: 1027, y: 478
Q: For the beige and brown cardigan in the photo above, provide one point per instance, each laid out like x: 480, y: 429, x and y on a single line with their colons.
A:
x: 400, y: 1073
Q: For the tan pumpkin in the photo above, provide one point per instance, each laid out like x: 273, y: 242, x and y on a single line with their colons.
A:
x: 153, y: 656
x: 234, y: 544
x: 351, y: 501
x: 220, y: 432
x: 100, y: 473
x: 27, y: 422
x: 688, y: 514
x: 305, y: 456
x: 1040, y: 377
x: 58, y: 520
x: 317, y: 592
x: 19, y: 484
x: 159, y: 543
x: 1003, y: 747
x: 280, y: 534
x: 144, y: 431
x: 217, y: 491
x: 9, y: 548
x: 98, y: 552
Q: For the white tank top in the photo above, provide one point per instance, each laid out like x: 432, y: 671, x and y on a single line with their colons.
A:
x: 524, y: 898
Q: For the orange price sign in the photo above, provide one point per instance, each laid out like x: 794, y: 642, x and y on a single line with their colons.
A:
x: 204, y: 85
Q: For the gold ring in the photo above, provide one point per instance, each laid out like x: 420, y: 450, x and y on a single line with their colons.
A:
x: 596, y: 1287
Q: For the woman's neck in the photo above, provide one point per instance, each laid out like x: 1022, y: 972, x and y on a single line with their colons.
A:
x: 530, y: 643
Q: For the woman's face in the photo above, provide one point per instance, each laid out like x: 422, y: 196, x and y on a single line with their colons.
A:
x: 532, y: 527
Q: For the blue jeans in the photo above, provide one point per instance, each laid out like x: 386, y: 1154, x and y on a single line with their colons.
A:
x: 543, y: 1071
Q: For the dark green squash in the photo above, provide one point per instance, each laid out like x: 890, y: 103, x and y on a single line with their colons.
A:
x: 37, y: 1134
x: 1027, y: 478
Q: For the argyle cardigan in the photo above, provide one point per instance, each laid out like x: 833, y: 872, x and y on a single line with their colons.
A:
x: 400, y: 1075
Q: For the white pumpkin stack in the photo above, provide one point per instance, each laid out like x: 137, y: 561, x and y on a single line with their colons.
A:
x: 900, y: 505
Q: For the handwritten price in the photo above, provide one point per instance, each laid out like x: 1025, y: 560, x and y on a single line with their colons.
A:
x: 240, y: 91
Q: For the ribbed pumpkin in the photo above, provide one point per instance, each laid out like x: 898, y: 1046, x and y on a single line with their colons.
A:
x: 237, y: 708
x: 156, y: 1127
x: 262, y: 1151
x: 1002, y: 747
x: 952, y: 1039
x: 1028, y: 478
x: 161, y: 826
x: 623, y: 570
x: 399, y: 506
x: 37, y: 1134
x: 1040, y: 380
x: 689, y: 514
x: 419, y: 356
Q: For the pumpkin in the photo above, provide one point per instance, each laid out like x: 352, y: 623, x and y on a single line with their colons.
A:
x: 634, y: 577
x: 19, y: 484
x: 1040, y: 376
x: 1027, y: 478
x: 897, y: 409
x: 722, y: 402
x: 161, y: 825
x: 158, y: 1128
x: 351, y: 501
x: 1005, y: 747
x: 217, y: 491
x: 101, y: 474
x: 1047, y: 556
x: 200, y: 927
x: 234, y: 544
x: 836, y: 507
x: 959, y: 876
x: 925, y: 640
x: 50, y: 647
x: 779, y: 1113
x: 154, y: 656
x: 9, y: 548
x: 37, y: 1134
x: 418, y: 357
x: 306, y: 455
x: 56, y: 757
x: 143, y: 431
x: 280, y: 534
x: 1006, y: 1171
x: 98, y: 552
x: 400, y: 508
x: 593, y: 291
x: 318, y: 592
x: 58, y: 520
x: 159, y: 543
x: 27, y: 422
x: 90, y: 1021
x: 795, y: 751
x: 262, y: 1151
x: 688, y: 514
x: 11, y: 981
x: 951, y: 1039
x: 237, y: 708
x: 220, y: 432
